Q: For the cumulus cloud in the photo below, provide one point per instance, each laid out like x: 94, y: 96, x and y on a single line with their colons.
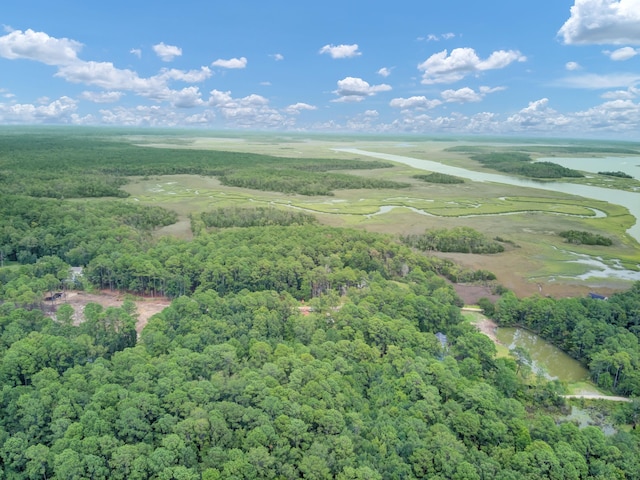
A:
x: 136, y: 51
x: 188, y: 97
x: 384, y: 72
x: 231, y: 63
x: 101, y: 97
x: 40, y: 47
x: 611, y: 22
x: 417, y: 102
x: 246, y: 112
x: 630, y: 93
x: 444, y: 68
x: 466, y: 94
x: 622, y: 54
x: 571, y: 66
x: 296, y: 108
x: 352, y: 89
x: 62, y: 53
x: 539, y: 116
x: 167, y: 52
x: 341, y: 51
x: 190, y: 76
x: 277, y: 57
x: 58, y: 111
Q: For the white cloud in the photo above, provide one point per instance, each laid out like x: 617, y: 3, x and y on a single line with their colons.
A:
x: 352, y: 89
x: 572, y: 66
x: 594, y: 81
x: 341, y: 51
x: 188, y: 97
x: 538, y: 116
x: 432, y: 37
x: 40, y: 47
x: 58, y: 111
x: 296, y: 108
x: 444, y: 68
x: 603, y: 22
x: 191, y: 76
x: 102, y: 97
x: 384, y: 72
x: 466, y: 94
x: 167, y: 52
x: 106, y: 75
x: 247, y: 112
x: 417, y: 102
x: 628, y: 94
x: 136, y: 51
x: 622, y: 54
x: 277, y: 57
x: 231, y: 63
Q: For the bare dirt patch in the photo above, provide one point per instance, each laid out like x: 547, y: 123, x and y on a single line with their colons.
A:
x: 485, y: 325
x: 470, y: 294
x: 145, y: 307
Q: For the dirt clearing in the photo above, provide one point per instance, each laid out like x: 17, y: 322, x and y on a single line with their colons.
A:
x: 145, y: 307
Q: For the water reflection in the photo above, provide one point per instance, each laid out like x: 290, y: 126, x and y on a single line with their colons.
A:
x: 547, y: 359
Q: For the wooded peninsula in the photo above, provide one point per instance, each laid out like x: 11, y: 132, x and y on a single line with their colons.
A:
x: 298, y: 340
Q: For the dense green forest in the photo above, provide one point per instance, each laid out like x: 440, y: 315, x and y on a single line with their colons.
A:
x: 521, y: 164
x: 458, y: 239
x: 436, y: 177
x: 234, y: 380
x: 72, y: 166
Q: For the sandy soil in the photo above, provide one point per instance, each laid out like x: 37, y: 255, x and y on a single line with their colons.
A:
x: 484, y: 325
x: 145, y: 307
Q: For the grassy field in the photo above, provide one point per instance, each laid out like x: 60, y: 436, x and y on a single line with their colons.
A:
x: 536, y: 259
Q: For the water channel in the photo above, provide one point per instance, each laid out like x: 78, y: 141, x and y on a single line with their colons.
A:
x: 546, y: 359
x: 630, y: 200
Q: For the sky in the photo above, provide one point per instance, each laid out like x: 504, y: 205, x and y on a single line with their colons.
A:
x: 547, y: 68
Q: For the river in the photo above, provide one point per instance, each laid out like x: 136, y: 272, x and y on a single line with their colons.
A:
x: 629, y: 200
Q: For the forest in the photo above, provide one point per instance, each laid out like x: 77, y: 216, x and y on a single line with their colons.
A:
x: 520, y: 163
x: 234, y: 380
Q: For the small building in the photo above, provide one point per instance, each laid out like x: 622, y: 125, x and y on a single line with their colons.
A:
x: 597, y: 296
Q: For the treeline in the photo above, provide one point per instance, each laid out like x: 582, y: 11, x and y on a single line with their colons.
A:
x: 579, y: 237
x: 457, y: 239
x: 436, y: 177
x: 304, y: 261
x: 601, y: 334
x: 76, y: 166
x: 617, y: 174
x: 226, y: 217
x: 301, y: 181
x: 521, y: 164
x: 553, y: 149
x: 32, y: 228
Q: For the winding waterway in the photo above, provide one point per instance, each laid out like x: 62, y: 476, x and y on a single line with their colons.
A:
x: 630, y: 200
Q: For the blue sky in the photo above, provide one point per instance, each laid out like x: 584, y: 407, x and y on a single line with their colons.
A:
x: 554, y: 67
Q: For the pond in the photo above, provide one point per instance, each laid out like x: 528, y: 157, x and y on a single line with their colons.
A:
x: 547, y: 359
